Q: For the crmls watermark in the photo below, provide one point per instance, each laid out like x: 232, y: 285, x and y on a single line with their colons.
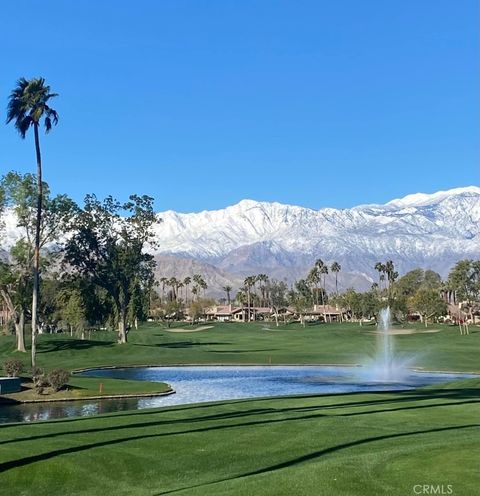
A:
x: 433, y: 489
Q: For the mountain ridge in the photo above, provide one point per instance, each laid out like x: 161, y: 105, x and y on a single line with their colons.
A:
x: 419, y: 230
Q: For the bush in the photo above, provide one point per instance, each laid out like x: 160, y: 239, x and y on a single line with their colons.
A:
x: 12, y: 367
x: 39, y: 380
x: 58, y: 378
x: 37, y: 373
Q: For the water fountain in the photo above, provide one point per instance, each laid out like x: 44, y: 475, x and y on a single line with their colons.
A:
x: 387, y: 366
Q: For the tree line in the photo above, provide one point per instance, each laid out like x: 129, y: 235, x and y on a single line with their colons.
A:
x: 418, y: 291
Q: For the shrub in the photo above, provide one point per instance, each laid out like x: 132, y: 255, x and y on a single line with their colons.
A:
x: 39, y: 380
x: 12, y: 367
x: 58, y: 378
x: 37, y: 373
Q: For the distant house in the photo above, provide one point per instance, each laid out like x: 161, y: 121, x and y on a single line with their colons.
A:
x: 458, y: 314
x: 324, y: 312
x: 230, y: 313
x: 222, y: 313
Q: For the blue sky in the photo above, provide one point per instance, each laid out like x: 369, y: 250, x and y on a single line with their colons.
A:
x: 203, y: 103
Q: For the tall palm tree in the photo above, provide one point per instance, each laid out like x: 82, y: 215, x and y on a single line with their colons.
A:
x: 324, y: 271
x: 203, y: 285
x: 313, y: 278
x: 186, y: 283
x: 249, y: 282
x: 319, y: 263
x: 381, y: 269
x: 194, y: 291
x: 180, y: 285
x: 164, y: 281
x: 227, y: 290
x: 336, y: 268
x: 199, y: 283
x: 173, y: 283
x: 28, y: 107
x: 262, y: 278
x: 392, y: 275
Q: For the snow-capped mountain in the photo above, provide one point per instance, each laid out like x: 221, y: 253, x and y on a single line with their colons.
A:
x: 420, y: 230
x: 426, y: 230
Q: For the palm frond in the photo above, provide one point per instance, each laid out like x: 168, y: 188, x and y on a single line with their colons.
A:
x: 23, y: 125
x: 28, y: 104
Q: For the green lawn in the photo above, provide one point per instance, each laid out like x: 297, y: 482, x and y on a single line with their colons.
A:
x: 348, y: 444
x: 250, y: 343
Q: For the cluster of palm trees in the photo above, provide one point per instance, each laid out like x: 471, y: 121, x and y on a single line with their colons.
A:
x: 387, y: 275
x: 256, y: 288
x: 249, y: 289
x: 180, y: 288
x: 317, y: 278
x: 248, y: 293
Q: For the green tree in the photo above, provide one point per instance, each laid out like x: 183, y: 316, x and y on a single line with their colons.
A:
x: 14, y: 290
x: 303, y: 288
x: 313, y: 279
x: 300, y: 304
x: 109, y: 248
x: 428, y: 303
x: 196, y: 310
x: 20, y: 194
x: 73, y: 310
x: 464, y: 280
x: 27, y: 107
x: 172, y: 311
x: 278, y: 296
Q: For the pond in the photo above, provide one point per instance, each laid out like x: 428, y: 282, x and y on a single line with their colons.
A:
x: 196, y: 384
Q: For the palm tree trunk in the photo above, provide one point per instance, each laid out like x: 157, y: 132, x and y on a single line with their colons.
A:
x: 36, y: 257
x: 324, y: 295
